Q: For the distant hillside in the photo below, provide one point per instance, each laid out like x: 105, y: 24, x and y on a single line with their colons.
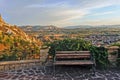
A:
x: 79, y: 26
x: 38, y: 28
x: 90, y: 26
x: 54, y: 28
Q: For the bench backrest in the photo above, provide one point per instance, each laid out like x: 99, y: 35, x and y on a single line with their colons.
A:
x: 72, y: 54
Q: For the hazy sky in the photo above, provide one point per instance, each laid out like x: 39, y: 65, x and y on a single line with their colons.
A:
x: 60, y: 13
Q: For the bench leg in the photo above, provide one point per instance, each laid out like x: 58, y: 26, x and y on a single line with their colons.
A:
x: 53, y: 71
x: 93, y: 69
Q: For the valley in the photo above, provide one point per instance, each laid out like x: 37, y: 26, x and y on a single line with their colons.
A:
x: 99, y: 35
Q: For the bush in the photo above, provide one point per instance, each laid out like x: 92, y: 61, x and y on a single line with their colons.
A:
x: 101, y: 56
x: 118, y: 59
x: 69, y: 45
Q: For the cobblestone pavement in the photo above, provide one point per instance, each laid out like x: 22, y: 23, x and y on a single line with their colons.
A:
x: 61, y: 73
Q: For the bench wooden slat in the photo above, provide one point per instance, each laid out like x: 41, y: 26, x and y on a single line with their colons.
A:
x: 83, y: 54
x: 72, y: 56
x: 71, y: 52
x: 86, y: 54
x: 77, y: 56
x: 74, y: 62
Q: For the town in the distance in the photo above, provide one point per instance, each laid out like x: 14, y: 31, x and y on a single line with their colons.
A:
x: 102, y: 35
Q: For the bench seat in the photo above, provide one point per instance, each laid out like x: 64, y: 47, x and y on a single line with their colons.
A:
x: 74, y: 62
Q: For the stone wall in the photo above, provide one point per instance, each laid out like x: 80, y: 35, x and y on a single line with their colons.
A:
x: 113, y: 54
x: 44, y: 54
x: 11, y: 65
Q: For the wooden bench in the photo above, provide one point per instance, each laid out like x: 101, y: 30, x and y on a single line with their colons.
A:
x: 74, y: 58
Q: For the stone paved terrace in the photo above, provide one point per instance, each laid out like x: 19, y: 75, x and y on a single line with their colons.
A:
x: 45, y: 72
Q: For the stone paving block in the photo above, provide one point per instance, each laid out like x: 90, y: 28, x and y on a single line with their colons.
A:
x: 8, y: 77
x: 62, y: 73
x: 15, y: 77
x: 3, y: 75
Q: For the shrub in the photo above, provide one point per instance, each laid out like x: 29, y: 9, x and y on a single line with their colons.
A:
x: 101, y: 56
x: 118, y: 59
x: 69, y: 45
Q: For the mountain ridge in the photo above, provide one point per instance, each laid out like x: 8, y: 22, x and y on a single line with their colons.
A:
x: 52, y: 27
x: 90, y: 26
x: 38, y: 27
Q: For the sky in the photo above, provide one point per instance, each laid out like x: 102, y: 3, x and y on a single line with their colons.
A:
x: 61, y: 13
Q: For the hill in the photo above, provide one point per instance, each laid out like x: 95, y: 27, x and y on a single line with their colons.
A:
x: 15, y: 44
x: 11, y: 34
x: 39, y: 28
x: 79, y: 26
x: 90, y: 26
